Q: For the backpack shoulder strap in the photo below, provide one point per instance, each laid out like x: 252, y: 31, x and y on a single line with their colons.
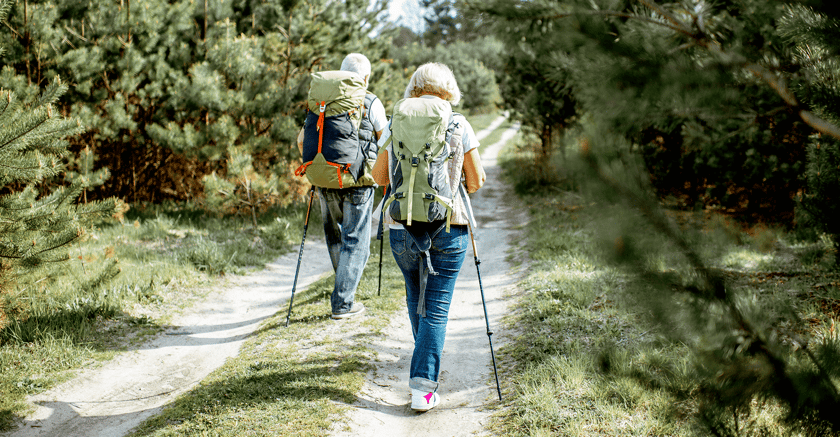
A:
x: 454, y: 129
x: 369, y: 99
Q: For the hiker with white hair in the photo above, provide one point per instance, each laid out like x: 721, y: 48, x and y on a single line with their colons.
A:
x: 346, y: 203
x: 425, y: 156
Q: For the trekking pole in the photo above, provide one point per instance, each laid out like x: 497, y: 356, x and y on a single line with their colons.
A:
x: 380, y: 235
x: 300, y: 254
x: 481, y: 288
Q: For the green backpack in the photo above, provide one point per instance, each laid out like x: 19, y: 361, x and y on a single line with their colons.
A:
x: 332, y: 156
x: 420, y: 132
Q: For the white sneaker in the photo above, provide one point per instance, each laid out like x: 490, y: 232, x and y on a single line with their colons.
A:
x: 358, y: 308
x: 423, y: 401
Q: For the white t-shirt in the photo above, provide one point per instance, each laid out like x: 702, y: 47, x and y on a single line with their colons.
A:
x: 377, y: 115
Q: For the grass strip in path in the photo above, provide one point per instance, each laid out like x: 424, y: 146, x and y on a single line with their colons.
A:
x: 295, y: 380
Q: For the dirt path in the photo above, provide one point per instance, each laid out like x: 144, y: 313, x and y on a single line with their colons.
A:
x: 467, y: 384
x: 111, y: 399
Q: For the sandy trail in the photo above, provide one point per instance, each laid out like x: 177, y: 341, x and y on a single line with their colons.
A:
x: 467, y: 383
x: 110, y: 400
x: 113, y: 398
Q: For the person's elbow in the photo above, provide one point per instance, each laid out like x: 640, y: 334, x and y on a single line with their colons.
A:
x: 300, y: 142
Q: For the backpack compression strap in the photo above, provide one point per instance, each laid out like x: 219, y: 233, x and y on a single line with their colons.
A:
x: 320, y: 125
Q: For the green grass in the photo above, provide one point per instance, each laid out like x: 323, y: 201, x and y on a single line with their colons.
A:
x: 496, y: 135
x: 160, y: 260
x: 290, y: 381
x: 481, y: 121
x: 569, y: 330
x: 583, y: 362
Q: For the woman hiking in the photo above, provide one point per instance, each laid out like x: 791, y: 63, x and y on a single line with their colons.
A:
x: 429, y: 252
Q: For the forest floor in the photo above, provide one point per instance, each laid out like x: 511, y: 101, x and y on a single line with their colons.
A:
x: 112, y: 398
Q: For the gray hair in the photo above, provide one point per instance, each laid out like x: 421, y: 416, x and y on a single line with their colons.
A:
x: 435, y: 79
x: 357, y: 63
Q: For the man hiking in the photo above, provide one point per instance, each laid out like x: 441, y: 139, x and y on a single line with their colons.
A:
x: 346, y: 210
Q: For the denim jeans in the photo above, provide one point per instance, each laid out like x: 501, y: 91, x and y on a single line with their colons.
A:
x: 346, y: 213
x: 447, y: 255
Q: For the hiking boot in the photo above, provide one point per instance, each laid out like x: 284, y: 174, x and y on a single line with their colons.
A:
x: 355, y: 310
x: 423, y: 401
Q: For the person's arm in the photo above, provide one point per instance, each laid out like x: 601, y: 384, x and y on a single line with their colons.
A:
x: 300, y: 141
x: 380, y: 168
x: 378, y: 118
x: 473, y: 171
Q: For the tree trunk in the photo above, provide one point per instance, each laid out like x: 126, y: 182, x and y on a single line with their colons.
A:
x: 27, y: 41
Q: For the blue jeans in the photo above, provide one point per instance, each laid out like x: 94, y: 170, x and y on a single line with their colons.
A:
x: 346, y: 213
x: 447, y: 255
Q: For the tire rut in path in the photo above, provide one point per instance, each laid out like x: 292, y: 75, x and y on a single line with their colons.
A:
x: 467, y: 385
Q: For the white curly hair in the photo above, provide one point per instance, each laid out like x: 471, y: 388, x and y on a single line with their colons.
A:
x: 434, y: 79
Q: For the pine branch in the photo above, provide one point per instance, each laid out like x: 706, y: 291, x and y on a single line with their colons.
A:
x: 820, y: 124
x: 775, y: 82
x: 615, y: 14
x: 699, y: 35
x: 5, y: 7
x: 59, y: 241
x: 54, y: 91
x: 8, y: 107
x: 37, y: 120
x: 667, y: 14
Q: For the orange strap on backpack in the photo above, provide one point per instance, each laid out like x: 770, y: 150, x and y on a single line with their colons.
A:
x: 320, y: 125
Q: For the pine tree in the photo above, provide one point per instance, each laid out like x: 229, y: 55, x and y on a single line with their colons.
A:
x: 535, y: 86
x: 450, y: 21
x: 738, y: 97
x: 712, y: 134
x: 815, y: 42
x: 441, y: 22
x: 166, y: 88
x: 36, y: 226
x: 470, y: 62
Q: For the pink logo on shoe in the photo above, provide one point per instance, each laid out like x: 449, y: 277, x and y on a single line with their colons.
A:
x: 429, y: 397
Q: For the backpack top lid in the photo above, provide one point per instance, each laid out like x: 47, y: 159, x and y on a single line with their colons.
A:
x: 343, y: 91
x: 419, y: 120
